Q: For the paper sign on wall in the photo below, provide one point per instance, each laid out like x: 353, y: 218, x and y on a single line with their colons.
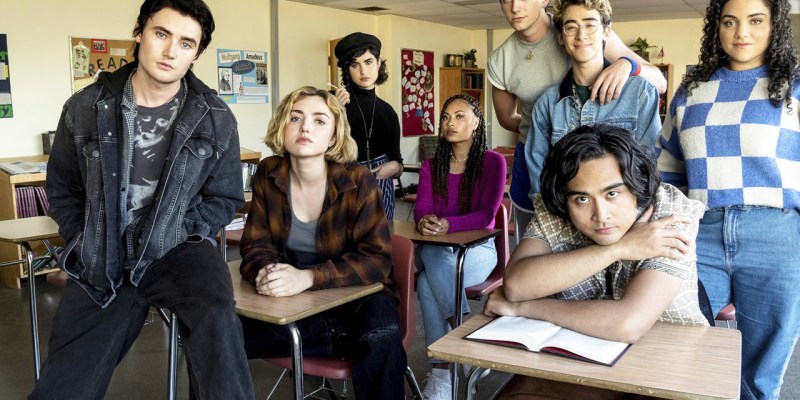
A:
x: 6, y: 110
x: 242, y: 76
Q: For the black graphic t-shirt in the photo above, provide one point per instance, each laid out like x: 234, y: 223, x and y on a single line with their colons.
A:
x: 151, y: 139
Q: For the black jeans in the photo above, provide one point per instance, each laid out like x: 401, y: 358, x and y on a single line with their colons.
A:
x: 367, y: 329
x: 87, y: 342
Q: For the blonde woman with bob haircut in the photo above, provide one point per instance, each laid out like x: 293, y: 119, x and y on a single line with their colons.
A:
x: 316, y: 221
x: 344, y: 149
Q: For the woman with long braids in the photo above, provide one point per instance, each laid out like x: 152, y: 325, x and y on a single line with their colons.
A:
x: 373, y: 122
x: 460, y: 189
x: 732, y: 138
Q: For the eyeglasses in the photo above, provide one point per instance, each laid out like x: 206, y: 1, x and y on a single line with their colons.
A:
x: 571, y: 29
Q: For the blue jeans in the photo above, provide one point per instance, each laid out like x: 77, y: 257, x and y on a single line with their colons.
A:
x: 87, y: 342
x: 436, y: 283
x: 367, y: 329
x: 750, y: 256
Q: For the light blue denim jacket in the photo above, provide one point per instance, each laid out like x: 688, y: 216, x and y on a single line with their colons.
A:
x: 199, y: 191
x: 557, y: 112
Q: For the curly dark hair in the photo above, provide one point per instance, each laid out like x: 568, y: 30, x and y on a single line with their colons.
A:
x: 383, y: 75
x: 780, y: 58
x: 590, y: 142
x: 440, y: 164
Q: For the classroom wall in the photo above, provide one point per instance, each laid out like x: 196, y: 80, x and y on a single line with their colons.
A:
x: 38, y: 31
x: 39, y: 55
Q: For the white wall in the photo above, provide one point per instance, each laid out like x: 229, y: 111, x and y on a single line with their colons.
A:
x: 680, y: 39
x: 38, y: 31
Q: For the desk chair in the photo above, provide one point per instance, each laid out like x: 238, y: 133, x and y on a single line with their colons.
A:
x: 59, y: 278
x: 495, y: 279
x: 227, y: 238
x: 329, y: 368
x: 727, y: 314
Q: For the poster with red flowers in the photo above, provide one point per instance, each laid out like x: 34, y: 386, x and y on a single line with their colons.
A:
x: 417, y: 92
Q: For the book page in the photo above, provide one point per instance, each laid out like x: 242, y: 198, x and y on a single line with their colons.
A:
x: 600, y: 350
x: 525, y: 331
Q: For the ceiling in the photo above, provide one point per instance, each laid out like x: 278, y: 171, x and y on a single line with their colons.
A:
x: 486, y: 14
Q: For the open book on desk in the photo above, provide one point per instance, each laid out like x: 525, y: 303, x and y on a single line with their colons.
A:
x: 542, y: 336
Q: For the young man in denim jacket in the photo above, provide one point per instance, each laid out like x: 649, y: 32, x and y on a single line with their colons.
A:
x: 144, y: 171
x: 583, y: 27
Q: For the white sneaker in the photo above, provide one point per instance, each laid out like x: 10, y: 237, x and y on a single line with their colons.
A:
x: 437, y: 388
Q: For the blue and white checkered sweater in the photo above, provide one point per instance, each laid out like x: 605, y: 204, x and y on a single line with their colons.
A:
x: 730, y: 146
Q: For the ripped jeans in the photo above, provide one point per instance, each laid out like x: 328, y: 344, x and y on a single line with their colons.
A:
x: 367, y: 329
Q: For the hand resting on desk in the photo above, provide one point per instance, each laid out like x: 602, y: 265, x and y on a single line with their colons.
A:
x: 281, y: 280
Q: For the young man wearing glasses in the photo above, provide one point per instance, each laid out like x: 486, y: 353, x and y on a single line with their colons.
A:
x: 583, y: 27
x: 530, y: 61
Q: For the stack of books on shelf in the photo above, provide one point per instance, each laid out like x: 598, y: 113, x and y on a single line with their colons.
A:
x: 31, y: 201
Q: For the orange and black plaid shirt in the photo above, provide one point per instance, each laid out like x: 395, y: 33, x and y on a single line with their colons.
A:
x: 352, y: 231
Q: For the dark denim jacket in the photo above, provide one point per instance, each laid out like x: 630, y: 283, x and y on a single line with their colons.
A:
x: 199, y: 191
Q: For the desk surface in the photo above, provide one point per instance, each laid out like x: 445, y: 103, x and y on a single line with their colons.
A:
x: 28, y: 229
x: 673, y: 362
x: 285, y: 310
x: 408, y: 229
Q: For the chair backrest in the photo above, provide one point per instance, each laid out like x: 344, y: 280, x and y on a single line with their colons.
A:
x: 495, y: 279
x: 403, y: 275
x: 508, y: 154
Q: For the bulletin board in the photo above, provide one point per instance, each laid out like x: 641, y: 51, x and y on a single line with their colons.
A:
x: 89, y: 56
x: 417, y: 92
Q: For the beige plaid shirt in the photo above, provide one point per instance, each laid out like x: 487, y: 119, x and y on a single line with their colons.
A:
x: 562, y: 236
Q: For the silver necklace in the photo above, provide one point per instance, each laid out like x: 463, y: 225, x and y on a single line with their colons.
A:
x: 457, y: 161
x: 364, y: 119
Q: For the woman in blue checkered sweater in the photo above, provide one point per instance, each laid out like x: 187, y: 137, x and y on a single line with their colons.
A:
x: 732, y: 139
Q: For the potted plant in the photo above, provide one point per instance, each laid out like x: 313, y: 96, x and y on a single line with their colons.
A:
x: 640, y: 47
x: 469, y: 58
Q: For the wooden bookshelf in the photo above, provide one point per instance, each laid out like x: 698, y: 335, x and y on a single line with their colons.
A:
x: 455, y: 80
x: 666, y: 98
x: 11, y: 275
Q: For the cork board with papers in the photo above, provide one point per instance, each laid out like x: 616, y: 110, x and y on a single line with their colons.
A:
x: 89, y: 56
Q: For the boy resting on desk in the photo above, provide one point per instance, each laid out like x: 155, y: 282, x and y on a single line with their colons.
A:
x: 605, y: 228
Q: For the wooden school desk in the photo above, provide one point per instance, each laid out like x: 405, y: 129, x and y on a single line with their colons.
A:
x: 288, y: 310
x: 22, y: 232
x: 669, y: 361
x: 463, y: 241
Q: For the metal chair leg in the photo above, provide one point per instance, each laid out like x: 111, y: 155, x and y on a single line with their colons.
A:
x: 412, y: 382
x: 173, y: 355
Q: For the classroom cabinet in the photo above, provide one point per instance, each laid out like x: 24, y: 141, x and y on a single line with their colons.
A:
x: 455, y: 80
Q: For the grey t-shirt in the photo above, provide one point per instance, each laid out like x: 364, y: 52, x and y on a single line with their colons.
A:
x: 527, y: 69
x: 302, y: 240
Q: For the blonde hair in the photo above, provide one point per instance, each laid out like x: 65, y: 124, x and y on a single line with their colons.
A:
x: 603, y: 7
x: 344, y: 149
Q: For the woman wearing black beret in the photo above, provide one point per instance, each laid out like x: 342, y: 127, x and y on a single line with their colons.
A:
x: 374, y: 124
